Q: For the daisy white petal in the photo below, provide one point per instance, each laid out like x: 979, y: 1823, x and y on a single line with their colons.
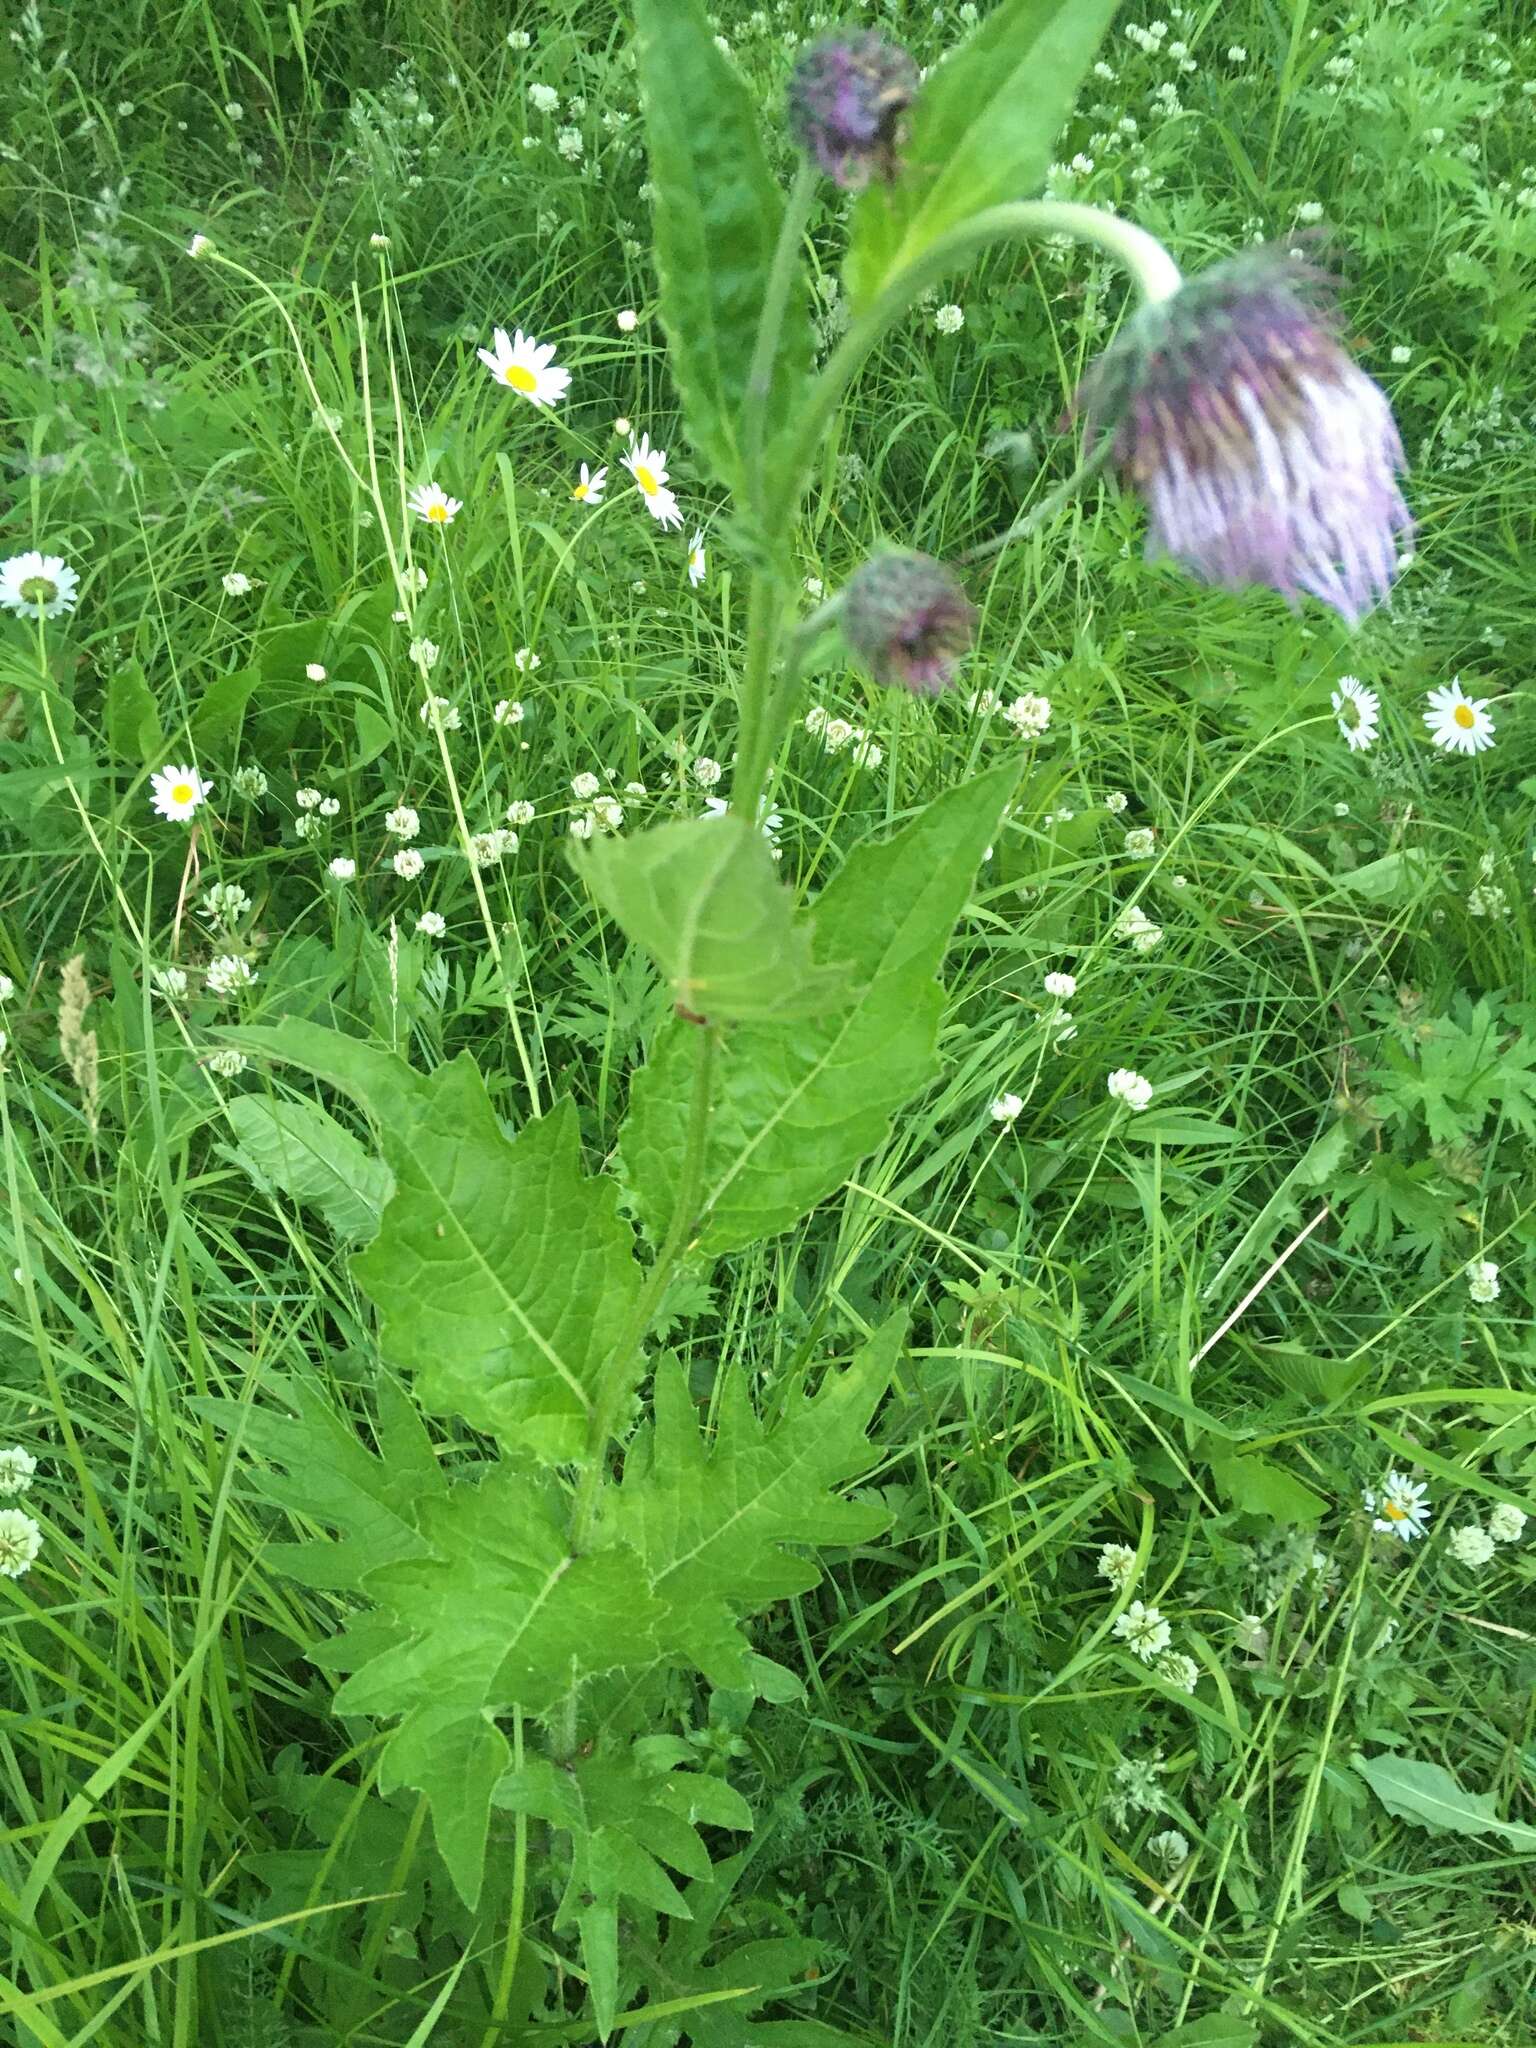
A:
x: 38, y: 586
x: 433, y: 504
x: 1459, y: 723
x: 697, y: 564
x: 1358, y: 711
x: 589, y: 491
x: 526, y: 366
x: 176, y: 793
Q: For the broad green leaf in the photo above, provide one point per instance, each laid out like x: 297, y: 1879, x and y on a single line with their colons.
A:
x: 705, y: 900
x: 1258, y: 1486
x: 710, y: 1517
x: 301, y: 1150
x: 982, y: 131
x: 1430, y: 1797
x: 798, y: 1105
x: 1392, y: 879
x: 716, y: 223
x: 502, y: 1273
x: 133, y: 717
x: 455, y: 1759
x: 1215, y: 2030
x: 379, y: 1082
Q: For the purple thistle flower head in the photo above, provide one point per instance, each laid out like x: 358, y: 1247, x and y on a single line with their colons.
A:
x: 847, y: 96
x: 908, y: 619
x: 1264, y: 453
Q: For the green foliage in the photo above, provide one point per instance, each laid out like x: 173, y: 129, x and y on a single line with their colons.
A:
x: 797, y: 1107
x: 983, y: 129
x: 1429, y: 1796
x: 717, y: 222
x: 300, y: 1149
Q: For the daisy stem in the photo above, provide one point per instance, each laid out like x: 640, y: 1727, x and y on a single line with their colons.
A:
x: 617, y: 1373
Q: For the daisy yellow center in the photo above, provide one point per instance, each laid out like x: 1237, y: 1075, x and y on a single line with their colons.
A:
x: 520, y: 377
x: 437, y: 512
x: 181, y: 792
x: 1393, y: 1512
x: 646, y: 479
x: 1464, y: 716
x: 581, y: 491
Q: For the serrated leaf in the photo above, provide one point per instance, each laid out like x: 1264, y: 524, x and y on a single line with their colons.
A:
x: 716, y: 224
x: 797, y: 1106
x: 1430, y: 1797
x: 982, y: 130
x: 504, y: 1276
x: 710, y: 1518
x: 455, y: 1761
x: 704, y: 898
x: 1258, y: 1486
x: 301, y: 1150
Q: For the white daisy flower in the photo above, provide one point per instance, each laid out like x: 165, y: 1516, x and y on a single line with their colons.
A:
x: 17, y: 1468
x: 527, y: 366
x: 1403, y: 1508
x: 1457, y: 722
x: 1131, y: 1088
x: 589, y: 491
x: 1358, y: 711
x: 39, y: 586
x: 433, y: 504
x: 696, y: 559
x: 648, y: 467
x: 1143, y: 1631
x: 176, y: 793
x: 1007, y: 1108
x: 20, y: 1541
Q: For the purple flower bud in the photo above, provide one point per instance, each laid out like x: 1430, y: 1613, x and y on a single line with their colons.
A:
x: 1263, y: 451
x: 907, y: 617
x: 847, y: 96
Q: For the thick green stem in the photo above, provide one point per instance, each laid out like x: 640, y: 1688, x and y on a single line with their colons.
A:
x: 757, y: 737
x: 616, y: 1375
x: 781, y: 278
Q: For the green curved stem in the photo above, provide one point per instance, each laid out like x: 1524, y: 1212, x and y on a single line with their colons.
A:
x: 781, y: 279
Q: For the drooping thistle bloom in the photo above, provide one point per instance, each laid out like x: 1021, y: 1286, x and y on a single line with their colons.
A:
x: 1264, y: 453
x: 906, y: 616
x: 848, y: 95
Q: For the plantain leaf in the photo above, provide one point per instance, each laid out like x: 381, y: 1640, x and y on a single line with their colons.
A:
x: 503, y: 1275
x: 705, y: 900
x: 1430, y: 1797
x: 798, y: 1104
x: 982, y: 131
x: 717, y: 218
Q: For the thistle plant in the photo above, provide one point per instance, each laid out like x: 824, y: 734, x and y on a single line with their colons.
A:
x: 528, y: 1621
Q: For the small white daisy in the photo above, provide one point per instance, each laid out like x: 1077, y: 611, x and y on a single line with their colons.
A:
x: 1457, y: 722
x: 697, y: 564
x: 1131, y: 1088
x: 1007, y: 1108
x: 432, y: 503
x: 589, y: 491
x: 1143, y: 1631
x: 1403, y: 1508
x: 527, y: 366
x: 38, y: 586
x: 176, y: 793
x: 1358, y: 711
x: 648, y: 467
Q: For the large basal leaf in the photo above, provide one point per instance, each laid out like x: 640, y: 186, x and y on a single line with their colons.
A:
x: 503, y: 1274
x: 716, y: 223
x: 300, y: 1149
x: 982, y: 131
x: 710, y: 1516
x: 1430, y: 1797
x: 798, y: 1105
x: 704, y: 898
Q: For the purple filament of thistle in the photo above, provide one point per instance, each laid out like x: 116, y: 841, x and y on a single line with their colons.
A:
x: 847, y: 96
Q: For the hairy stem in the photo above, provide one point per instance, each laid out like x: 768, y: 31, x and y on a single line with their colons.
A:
x: 781, y: 278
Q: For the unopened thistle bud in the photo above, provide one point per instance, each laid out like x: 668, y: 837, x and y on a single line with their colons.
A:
x: 1264, y: 453
x: 848, y: 95
x: 908, y: 619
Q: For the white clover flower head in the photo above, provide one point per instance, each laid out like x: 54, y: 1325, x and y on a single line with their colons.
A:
x: 518, y: 39
x: 590, y: 487
x: 520, y: 812
x: 378, y: 241
x: 402, y: 822
x: 836, y: 734
x: 1471, y: 1546
x: 1117, y: 1563
x: 525, y: 661
x: 432, y: 504
x: 171, y: 982
x: 307, y: 826
x: 1140, y: 843
x: 407, y: 863
x: 582, y: 826
x: 1458, y: 723
x: 226, y: 1061
x: 227, y: 974
x: 307, y: 799
x: 225, y: 902
x: 486, y: 849
x: 1062, y: 986
x: 705, y: 772
x: 1116, y: 802
x: 1401, y: 354
x: 586, y: 785
x: 424, y: 653
x: 1402, y: 1510
x: 630, y: 789
x: 38, y: 586
x: 178, y: 793
x: 18, y: 1467
x: 1483, y: 1281
x: 622, y: 429
x: 570, y: 145
x: 1029, y: 715
x: 314, y: 672
x: 527, y: 367
x: 431, y: 924
x: 1128, y: 1087
x: 250, y: 783
x: 626, y: 320
x: 20, y: 1541
x: 1170, y: 1847
x: 199, y: 247
x: 507, y: 711
x: 815, y: 589
x: 544, y: 97
x: 1358, y: 711
x: 342, y: 869
x: 330, y: 807
x: 7, y: 988
x: 816, y: 720
x: 949, y: 319
x: 867, y: 753
x: 447, y: 713
x: 608, y: 812
x: 237, y: 583
x: 1507, y: 1523
x: 1177, y: 1670
x: 1143, y: 1631
x: 1006, y: 1109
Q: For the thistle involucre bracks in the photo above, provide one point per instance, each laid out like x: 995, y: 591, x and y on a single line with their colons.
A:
x: 847, y: 97
x: 907, y: 617
x: 1263, y: 451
